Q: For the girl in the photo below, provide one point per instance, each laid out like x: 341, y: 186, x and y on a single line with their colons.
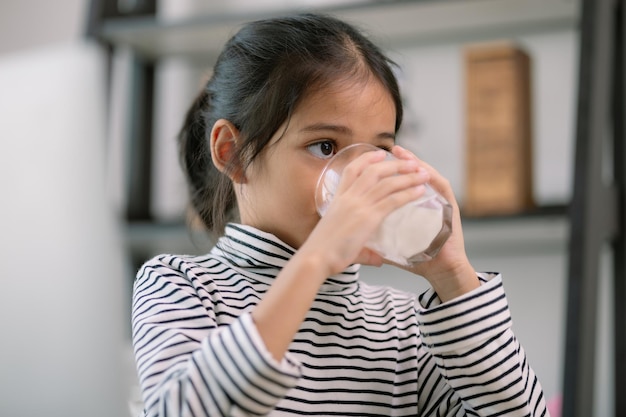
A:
x: 274, y: 321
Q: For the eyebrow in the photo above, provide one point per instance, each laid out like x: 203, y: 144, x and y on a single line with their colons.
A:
x: 316, y: 127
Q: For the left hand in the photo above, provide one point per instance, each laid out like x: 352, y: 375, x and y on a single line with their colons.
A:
x: 450, y: 272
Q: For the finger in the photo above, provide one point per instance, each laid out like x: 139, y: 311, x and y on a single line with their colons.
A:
x: 397, y: 183
x: 386, y: 167
x: 368, y: 171
x: 440, y: 184
x: 369, y: 189
x: 391, y: 202
x: 402, y: 153
x: 407, y: 155
x: 369, y: 257
x: 437, y: 181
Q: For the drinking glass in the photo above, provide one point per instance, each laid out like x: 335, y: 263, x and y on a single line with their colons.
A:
x: 410, y: 234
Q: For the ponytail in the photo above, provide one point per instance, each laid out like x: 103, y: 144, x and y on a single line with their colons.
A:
x: 211, y: 192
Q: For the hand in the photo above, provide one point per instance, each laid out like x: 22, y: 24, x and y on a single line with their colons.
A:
x: 450, y: 272
x: 370, y: 188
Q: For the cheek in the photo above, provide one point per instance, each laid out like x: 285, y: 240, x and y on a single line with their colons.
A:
x: 301, y: 182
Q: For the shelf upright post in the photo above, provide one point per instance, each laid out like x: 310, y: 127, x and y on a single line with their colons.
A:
x: 597, y: 208
x: 619, y: 249
x: 139, y: 147
x: 140, y: 141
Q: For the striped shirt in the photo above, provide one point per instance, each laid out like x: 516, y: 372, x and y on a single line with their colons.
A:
x: 362, y: 350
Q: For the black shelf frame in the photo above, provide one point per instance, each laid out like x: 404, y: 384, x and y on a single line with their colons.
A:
x: 199, y: 38
x: 597, y: 213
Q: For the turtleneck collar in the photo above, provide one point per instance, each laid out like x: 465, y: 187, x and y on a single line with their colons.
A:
x: 260, y: 256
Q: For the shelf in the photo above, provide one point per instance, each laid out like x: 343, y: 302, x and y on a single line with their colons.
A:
x: 146, y: 239
x: 542, y: 231
x: 391, y: 23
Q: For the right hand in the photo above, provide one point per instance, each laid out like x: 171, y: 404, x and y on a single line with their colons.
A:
x: 370, y: 188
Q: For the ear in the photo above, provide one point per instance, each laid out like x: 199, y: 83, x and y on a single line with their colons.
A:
x: 224, y: 137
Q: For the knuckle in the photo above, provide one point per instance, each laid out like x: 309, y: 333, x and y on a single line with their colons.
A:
x: 350, y: 170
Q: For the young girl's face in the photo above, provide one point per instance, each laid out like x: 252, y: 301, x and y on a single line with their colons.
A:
x: 278, y: 195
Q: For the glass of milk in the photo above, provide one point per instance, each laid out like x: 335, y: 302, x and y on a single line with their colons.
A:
x: 411, y: 234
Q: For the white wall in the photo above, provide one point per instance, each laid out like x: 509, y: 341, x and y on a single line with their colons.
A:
x: 61, y: 262
x: 62, y: 265
x: 28, y: 24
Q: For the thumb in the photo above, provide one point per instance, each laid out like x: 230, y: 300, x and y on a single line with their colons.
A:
x: 369, y: 257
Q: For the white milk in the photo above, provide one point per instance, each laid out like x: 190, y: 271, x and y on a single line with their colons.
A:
x: 407, y: 232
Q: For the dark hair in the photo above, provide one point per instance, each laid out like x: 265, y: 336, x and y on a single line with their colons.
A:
x: 264, y: 71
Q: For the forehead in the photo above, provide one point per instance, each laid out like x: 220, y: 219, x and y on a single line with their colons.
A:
x: 346, y: 96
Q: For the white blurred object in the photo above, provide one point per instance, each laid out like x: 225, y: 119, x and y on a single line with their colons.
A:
x: 118, y: 133
x: 180, y: 9
x: 30, y: 24
x: 62, y: 265
x: 177, y: 82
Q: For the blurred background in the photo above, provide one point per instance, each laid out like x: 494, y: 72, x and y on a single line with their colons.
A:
x: 92, y: 95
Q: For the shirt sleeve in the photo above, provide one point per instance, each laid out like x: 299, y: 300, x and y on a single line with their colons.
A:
x: 478, y: 366
x: 189, y: 366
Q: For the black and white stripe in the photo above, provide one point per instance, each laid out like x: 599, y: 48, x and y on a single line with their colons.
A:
x: 359, y: 351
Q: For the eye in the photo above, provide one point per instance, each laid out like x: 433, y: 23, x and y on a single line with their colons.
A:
x: 323, y: 150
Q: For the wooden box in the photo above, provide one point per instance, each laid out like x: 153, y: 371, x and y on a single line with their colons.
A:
x: 498, y: 121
